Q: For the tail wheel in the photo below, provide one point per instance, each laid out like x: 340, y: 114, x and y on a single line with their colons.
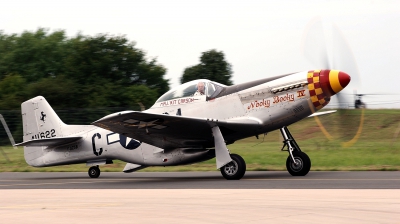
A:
x: 94, y: 172
x: 302, y: 165
x: 235, y: 169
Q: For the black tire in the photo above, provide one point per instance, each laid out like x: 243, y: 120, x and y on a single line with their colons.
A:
x: 303, y: 166
x: 235, y: 169
x: 94, y: 172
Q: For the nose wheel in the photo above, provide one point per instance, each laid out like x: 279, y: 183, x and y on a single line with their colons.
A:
x: 94, y: 172
x: 301, y: 166
x: 235, y: 169
x: 298, y: 163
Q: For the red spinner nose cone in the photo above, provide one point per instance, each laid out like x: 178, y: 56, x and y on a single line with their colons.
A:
x: 322, y: 84
x: 344, y: 79
x: 333, y: 81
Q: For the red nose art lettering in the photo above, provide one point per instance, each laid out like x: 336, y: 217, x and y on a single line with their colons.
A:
x: 176, y: 102
x: 287, y: 97
x: 186, y: 100
x: 301, y: 93
x: 164, y: 103
x: 261, y: 103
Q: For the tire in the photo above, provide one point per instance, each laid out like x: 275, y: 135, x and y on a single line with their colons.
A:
x: 94, y: 172
x: 235, y: 169
x: 302, y: 168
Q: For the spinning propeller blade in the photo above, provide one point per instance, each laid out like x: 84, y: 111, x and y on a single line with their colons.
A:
x: 334, y: 56
x: 337, y: 55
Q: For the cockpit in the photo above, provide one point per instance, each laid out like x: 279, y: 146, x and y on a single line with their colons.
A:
x: 200, y: 88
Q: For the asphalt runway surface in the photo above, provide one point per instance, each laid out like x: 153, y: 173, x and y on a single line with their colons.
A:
x: 201, y: 180
x: 200, y: 197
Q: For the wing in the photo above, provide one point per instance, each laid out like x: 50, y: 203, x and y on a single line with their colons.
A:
x: 170, y: 131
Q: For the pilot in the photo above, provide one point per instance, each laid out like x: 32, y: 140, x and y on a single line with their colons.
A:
x: 200, y: 89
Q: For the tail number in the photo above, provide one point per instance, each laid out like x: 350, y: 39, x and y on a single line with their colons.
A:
x: 94, y: 145
x: 45, y: 134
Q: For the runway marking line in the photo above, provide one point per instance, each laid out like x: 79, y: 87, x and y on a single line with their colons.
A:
x: 60, y: 183
x: 134, y: 179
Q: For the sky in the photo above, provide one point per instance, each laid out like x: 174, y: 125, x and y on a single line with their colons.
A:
x: 259, y: 38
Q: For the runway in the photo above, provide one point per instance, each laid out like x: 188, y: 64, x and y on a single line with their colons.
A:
x: 202, y: 180
x: 200, y: 197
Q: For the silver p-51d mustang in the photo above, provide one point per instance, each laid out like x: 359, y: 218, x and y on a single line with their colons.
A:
x: 190, y: 123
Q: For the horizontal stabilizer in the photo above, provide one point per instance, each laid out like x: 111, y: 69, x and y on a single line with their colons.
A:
x: 322, y: 113
x: 49, y: 141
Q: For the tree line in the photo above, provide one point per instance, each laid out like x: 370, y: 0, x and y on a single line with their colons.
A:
x: 79, y: 72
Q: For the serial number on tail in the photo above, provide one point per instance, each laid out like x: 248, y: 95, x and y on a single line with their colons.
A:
x: 45, y: 134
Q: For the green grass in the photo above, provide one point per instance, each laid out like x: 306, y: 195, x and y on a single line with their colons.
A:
x: 377, y: 148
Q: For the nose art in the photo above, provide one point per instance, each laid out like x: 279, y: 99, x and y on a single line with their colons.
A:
x: 322, y: 84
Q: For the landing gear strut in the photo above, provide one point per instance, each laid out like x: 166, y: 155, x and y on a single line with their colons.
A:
x: 235, y: 169
x: 297, y: 163
x: 94, y: 172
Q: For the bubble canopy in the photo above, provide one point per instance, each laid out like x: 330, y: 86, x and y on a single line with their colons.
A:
x: 193, y: 88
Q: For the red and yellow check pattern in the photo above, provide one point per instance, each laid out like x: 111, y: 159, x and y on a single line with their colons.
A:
x: 314, y: 87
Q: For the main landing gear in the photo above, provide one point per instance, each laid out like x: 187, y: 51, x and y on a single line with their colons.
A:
x: 235, y: 169
x: 297, y: 163
x: 232, y: 166
x: 94, y: 172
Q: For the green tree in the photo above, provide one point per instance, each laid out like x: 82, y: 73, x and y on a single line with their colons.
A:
x: 12, y: 92
x: 33, y: 55
x: 212, y: 66
x: 107, y: 59
x: 83, y: 71
x: 59, y: 91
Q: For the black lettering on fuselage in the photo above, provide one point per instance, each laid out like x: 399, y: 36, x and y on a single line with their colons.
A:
x: 94, y: 145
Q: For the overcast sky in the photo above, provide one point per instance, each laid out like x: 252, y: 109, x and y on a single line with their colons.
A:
x: 259, y: 38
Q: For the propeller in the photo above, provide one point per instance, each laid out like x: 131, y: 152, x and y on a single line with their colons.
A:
x: 336, y: 55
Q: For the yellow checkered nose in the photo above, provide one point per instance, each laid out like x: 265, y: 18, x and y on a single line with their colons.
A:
x: 322, y: 84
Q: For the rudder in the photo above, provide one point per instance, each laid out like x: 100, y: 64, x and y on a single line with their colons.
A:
x: 40, y: 120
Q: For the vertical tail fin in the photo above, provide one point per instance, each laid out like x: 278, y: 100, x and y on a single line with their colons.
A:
x: 40, y: 120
